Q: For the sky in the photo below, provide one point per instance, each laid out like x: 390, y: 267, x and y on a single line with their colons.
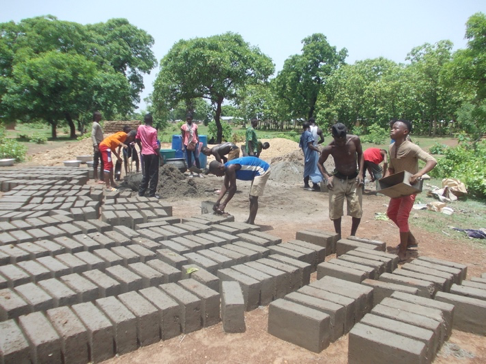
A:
x: 366, y: 28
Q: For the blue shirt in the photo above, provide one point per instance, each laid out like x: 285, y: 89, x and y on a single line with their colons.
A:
x: 251, y: 167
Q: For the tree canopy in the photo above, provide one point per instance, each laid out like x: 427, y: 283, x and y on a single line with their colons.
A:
x: 55, y: 70
x: 215, y: 68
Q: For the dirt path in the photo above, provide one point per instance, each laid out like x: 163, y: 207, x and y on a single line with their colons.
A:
x: 285, y: 209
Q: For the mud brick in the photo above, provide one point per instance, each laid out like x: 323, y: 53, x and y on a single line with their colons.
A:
x: 318, y: 237
x: 148, y: 214
x: 3, y: 282
x: 449, y: 278
x: 150, y: 276
x: 126, y: 231
x: 226, y: 229
x: 477, y: 293
x: 295, y: 273
x: 74, y: 264
x: 69, y: 244
x: 300, y: 325
x: 160, y: 213
x: 361, y: 294
x: 103, y: 240
x: 77, y: 213
x: 368, y: 344
x: 379, y: 267
x: 85, y: 227
x: 88, y: 243
x: 147, y: 317
x: 50, y: 221
x: 128, y: 255
x: 370, y: 271
x: 170, y: 257
x: 389, y: 263
x: 303, y: 267
x: 57, y: 268
x: 250, y: 287
x: 462, y: 267
x: 23, y: 236
x: 107, y: 216
x: 51, y: 247
x: 262, y: 251
x: 16, y: 254
x: 73, y: 334
x: 429, y: 312
x: 215, y: 238
x: 378, y: 245
x: 6, y: 238
x: 54, y: 231
x: 169, y: 311
x: 188, y: 229
x: 195, y: 219
x: 267, y: 282
x: 118, y: 238
x: 70, y: 229
x: 166, y: 232
x: 147, y: 244
x: 440, y: 283
x: 250, y: 255
x: 337, y: 313
x: 6, y: 226
x: 236, y: 257
x: 4, y: 259
x: 137, y: 218
x: 222, y: 260
x: 93, y: 261
x: 100, y: 331
x: 345, y: 245
x: 473, y: 284
x: 456, y: 272
x: 37, y: 234
x: 129, y: 280
x: 89, y: 213
x: 320, y: 252
x: 14, y: 275
x: 33, y: 249
x: 101, y: 226
x: 35, y: 297
x: 61, y: 294
x: 45, y: 343
x: 201, y: 275
x: 36, y: 270
x: 12, y: 305
x: 483, y: 276
x: 144, y: 254
x: 253, y: 239
x: 426, y: 289
x: 189, y: 304
x: 340, y: 272
x: 147, y: 225
x: 203, y: 261
x: 13, y: 345
x: 281, y: 278
x: 151, y: 234
x: 63, y: 218
x: 285, y: 249
x: 175, y: 247
x: 124, y: 324
x: 189, y: 245
x: 108, y: 257
x: 20, y: 224
x: 201, y: 225
x: 84, y: 288
x: 469, y: 313
x: 170, y: 273
x: 107, y: 286
x: 210, y: 300
x: 232, y: 307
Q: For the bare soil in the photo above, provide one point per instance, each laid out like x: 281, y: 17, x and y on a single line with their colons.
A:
x: 285, y: 209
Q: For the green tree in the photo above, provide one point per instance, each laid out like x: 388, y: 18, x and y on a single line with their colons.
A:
x: 303, y: 76
x: 214, y: 68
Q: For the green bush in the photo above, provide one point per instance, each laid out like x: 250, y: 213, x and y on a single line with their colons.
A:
x: 375, y: 134
x: 438, y: 148
x: 84, y: 136
x: 466, y: 163
x: 213, y: 131
x: 38, y: 139
x: 10, y: 148
x: 238, y: 137
x: 23, y: 136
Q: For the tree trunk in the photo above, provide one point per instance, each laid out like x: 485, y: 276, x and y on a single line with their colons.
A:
x: 72, y: 127
x: 53, y: 129
x: 217, y: 119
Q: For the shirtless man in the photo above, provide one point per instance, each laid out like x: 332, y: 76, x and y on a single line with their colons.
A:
x: 347, y: 178
x: 221, y: 150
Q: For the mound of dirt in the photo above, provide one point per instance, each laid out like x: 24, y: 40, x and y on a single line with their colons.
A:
x: 287, y: 172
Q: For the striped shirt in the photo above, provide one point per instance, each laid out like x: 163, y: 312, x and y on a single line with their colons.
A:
x: 251, y: 167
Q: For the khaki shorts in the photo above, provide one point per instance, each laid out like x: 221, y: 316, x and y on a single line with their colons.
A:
x: 233, y: 154
x: 345, y: 188
x: 258, y: 184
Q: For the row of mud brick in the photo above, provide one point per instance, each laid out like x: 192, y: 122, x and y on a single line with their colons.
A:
x: 409, y: 313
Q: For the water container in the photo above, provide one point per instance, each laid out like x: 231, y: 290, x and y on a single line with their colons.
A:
x: 177, y: 145
x: 203, y: 159
x: 167, y: 154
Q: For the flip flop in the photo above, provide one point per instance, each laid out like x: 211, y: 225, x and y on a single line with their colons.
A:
x: 100, y: 182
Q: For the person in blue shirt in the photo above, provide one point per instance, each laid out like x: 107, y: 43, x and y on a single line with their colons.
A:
x: 245, y: 169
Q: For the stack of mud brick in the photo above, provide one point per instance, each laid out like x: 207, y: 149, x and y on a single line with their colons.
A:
x: 110, y: 127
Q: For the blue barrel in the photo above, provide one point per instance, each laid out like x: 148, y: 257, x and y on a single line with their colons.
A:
x: 177, y: 145
x: 203, y: 159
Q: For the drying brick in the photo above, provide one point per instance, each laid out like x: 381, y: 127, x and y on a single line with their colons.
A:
x: 13, y: 345
x: 35, y: 297
x: 12, y: 305
x: 232, y: 307
x: 84, y: 288
x: 210, y: 307
x: 129, y: 281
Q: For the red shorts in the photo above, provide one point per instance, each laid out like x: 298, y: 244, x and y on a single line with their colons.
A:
x: 106, y: 157
x: 399, y: 211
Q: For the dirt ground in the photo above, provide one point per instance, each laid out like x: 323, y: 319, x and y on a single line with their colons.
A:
x: 285, y: 209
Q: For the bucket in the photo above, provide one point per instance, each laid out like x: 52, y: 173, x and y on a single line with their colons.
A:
x: 203, y: 158
x: 177, y: 146
x: 167, y: 154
